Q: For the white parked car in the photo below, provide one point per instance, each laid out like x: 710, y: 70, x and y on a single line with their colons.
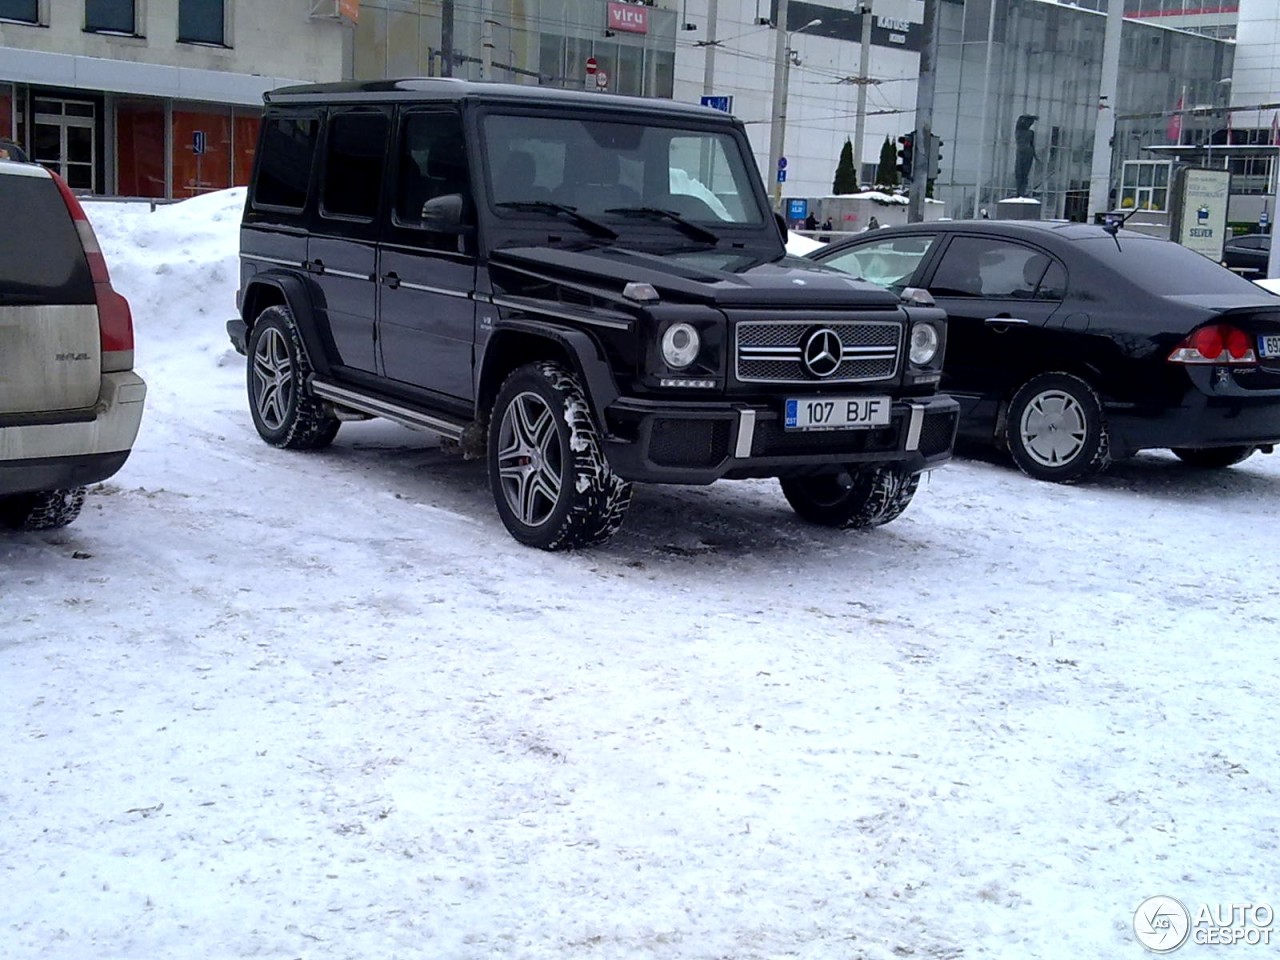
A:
x: 70, y: 403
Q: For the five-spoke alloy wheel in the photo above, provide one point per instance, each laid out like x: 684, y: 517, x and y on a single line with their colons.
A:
x: 284, y: 412
x: 551, y: 483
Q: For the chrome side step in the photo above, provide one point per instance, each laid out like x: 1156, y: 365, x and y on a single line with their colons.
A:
x: 388, y: 409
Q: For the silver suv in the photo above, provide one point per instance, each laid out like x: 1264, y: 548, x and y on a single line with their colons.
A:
x: 70, y: 403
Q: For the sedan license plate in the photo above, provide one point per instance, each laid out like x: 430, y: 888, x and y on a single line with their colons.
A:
x: 836, y: 413
x: 1269, y: 345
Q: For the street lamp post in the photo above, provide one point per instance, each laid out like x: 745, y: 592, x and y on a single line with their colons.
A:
x: 781, y: 77
x: 860, y: 120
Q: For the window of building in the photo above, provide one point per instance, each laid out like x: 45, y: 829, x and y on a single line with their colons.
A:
x: 110, y: 16
x: 1144, y: 185
x: 357, y: 147
x: 288, y: 146
x: 27, y: 11
x: 202, y: 21
x: 140, y: 148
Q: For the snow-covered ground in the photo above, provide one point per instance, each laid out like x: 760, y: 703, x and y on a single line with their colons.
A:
x: 286, y: 705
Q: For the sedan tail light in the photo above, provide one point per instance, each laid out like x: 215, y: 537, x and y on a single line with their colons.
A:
x: 115, y: 320
x: 1217, y: 344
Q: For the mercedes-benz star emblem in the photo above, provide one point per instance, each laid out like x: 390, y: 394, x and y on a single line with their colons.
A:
x: 823, y: 352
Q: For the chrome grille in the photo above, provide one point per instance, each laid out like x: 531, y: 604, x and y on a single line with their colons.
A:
x: 770, y: 351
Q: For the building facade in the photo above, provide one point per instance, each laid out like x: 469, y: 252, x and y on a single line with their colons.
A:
x: 156, y: 98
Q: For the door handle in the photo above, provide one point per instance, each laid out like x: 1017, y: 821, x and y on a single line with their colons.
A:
x: 314, y: 266
x: 999, y: 323
x: 392, y: 280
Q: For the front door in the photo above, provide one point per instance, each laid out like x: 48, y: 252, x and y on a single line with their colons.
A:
x: 63, y: 139
x: 426, y: 315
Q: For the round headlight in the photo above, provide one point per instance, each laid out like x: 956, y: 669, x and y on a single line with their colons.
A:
x: 924, y: 344
x: 680, y: 345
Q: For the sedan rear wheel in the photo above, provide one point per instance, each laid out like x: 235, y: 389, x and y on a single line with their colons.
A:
x: 1056, y: 429
x: 1213, y: 458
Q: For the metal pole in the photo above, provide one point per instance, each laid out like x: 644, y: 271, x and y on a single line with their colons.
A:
x: 924, y: 113
x: 982, y: 123
x: 1105, y: 131
x: 709, y: 62
x: 861, y: 120
x: 778, y: 119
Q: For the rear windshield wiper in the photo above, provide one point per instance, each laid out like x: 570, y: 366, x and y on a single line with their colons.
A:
x: 594, y: 227
x: 688, y: 227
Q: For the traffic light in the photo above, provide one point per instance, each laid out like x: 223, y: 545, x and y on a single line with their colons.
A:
x: 906, y: 144
x: 935, y: 156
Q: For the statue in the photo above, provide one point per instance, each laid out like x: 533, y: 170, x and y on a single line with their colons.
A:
x: 1025, y: 142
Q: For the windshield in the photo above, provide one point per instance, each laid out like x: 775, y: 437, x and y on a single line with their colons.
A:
x: 603, y: 169
x: 1166, y: 268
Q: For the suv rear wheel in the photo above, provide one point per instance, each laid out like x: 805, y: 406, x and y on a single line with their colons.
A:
x: 868, y: 497
x: 285, y: 414
x: 45, y: 510
x: 552, y: 485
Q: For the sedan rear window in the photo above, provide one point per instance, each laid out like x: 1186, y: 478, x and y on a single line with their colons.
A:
x: 1163, y: 267
x: 41, y: 260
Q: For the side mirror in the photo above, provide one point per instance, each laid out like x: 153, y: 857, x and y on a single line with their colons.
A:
x: 783, y: 229
x: 444, y: 214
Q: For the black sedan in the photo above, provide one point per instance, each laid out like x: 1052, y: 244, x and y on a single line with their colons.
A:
x: 1074, y: 345
x: 1247, y: 255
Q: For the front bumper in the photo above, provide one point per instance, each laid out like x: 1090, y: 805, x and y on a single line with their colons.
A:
x: 74, y: 448
x: 698, y: 443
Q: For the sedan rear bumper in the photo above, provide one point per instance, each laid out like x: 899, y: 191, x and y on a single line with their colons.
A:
x: 1201, y: 421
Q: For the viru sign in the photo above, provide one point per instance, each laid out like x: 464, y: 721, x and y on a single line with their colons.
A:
x: 628, y: 16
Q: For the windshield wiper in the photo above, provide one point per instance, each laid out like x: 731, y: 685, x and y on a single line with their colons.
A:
x: 594, y: 227
x: 688, y: 227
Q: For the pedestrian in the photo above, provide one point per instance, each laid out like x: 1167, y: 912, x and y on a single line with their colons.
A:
x: 811, y: 222
x: 873, y: 224
x: 826, y: 224
x: 11, y: 151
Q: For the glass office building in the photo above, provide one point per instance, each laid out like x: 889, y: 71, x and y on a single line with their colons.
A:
x: 1019, y: 80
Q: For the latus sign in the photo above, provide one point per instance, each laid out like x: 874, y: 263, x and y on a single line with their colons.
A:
x: 1200, y: 210
x: 628, y: 16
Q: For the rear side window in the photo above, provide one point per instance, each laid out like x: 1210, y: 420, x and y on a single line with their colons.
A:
x: 286, y: 149
x: 41, y: 260
x: 356, y: 151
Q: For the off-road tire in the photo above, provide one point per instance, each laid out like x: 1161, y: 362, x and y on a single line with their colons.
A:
x: 1056, y: 429
x: 45, y: 510
x: 284, y: 411
x: 1213, y: 458
x: 551, y: 482
x: 855, y: 499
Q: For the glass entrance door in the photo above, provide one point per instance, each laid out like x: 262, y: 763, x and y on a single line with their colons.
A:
x: 63, y: 140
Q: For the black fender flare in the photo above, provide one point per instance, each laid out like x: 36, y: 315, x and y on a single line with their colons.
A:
x: 299, y: 296
x: 585, y: 353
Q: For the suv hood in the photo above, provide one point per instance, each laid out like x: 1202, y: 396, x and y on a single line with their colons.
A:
x: 733, y: 278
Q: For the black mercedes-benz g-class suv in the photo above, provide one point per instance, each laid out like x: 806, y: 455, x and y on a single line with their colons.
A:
x: 586, y: 289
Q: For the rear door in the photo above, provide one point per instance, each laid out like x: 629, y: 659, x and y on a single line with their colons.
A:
x: 427, y: 316
x: 50, y: 346
x: 342, y: 250
x: 999, y: 296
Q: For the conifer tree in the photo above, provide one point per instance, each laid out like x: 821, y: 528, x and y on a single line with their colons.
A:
x: 887, y: 169
x: 846, y: 180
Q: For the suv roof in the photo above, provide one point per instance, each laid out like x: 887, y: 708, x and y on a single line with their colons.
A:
x: 453, y: 89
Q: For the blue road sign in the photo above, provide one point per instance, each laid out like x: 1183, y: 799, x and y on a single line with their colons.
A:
x: 197, y: 142
x: 782, y: 175
x: 782, y: 163
x: 724, y: 104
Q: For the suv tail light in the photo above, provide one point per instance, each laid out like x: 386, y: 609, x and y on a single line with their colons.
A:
x: 1219, y: 343
x: 115, y: 320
